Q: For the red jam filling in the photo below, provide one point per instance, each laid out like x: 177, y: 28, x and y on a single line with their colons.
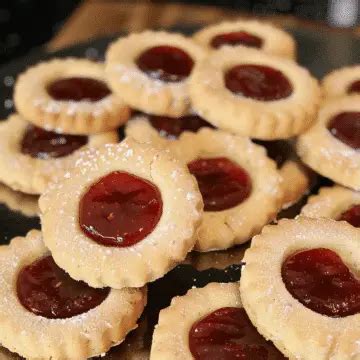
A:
x: 354, y: 87
x: 120, y: 210
x: 166, y: 63
x: 222, y: 183
x: 42, y: 144
x: 346, y: 127
x: 320, y: 280
x: 228, y: 334
x: 171, y: 128
x: 258, y: 82
x: 236, y: 38
x: 352, y: 216
x: 78, y: 89
x: 46, y: 290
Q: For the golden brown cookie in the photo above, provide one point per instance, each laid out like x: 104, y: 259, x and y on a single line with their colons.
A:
x: 69, y: 96
x: 341, y: 82
x: 248, y: 33
x: 297, y: 178
x: 240, y: 186
x: 150, y: 71
x: 208, y: 323
x: 31, y: 157
x: 332, y: 146
x: 162, y: 129
x: 302, y: 276
x: 47, y: 315
x: 254, y: 94
x: 336, y: 203
x: 19, y: 202
x: 129, y: 209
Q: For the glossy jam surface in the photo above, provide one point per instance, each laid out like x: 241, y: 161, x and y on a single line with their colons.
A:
x: 320, y: 280
x: 120, y: 210
x: 354, y: 87
x: 42, y: 144
x: 223, y: 184
x: 346, y: 127
x: 48, y: 291
x: 258, y: 82
x: 166, y: 63
x: 236, y: 38
x: 78, y: 89
x: 352, y: 216
x: 227, y: 334
x: 171, y: 128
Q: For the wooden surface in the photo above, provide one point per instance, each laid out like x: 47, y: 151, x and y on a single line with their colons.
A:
x: 96, y: 18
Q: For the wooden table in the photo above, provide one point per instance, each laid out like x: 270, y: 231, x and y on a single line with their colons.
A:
x: 96, y: 18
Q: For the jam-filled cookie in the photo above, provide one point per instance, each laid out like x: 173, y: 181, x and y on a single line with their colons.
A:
x: 17, y: 201
x: 248, y: 33
x: 31, y: 157
x: 130, y: 212
x: 342, y: 82
x: 332, y: 146
x: 69, y: 96
x: 255, y: 94
x: 335, y: 202
x: 300, y: 288
x: 209, y: 323
x: 136, y: 345
x: 297, y: 178
x: 161, y: 129
x: 220, y: 260
x: 47, y: 315
x: 240, y: 186
x: 150, y: 71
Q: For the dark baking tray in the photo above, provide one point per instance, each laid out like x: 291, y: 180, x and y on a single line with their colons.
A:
x: 320, y: 50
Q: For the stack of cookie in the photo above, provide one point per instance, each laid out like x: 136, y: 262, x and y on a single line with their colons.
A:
x: 117, y: 214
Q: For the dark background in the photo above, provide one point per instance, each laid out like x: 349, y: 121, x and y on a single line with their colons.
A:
x: 25, y: 24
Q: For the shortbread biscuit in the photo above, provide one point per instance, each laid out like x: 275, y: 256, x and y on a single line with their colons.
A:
x: 313, y: 324
x: 341, y: 82
x: 29, y: 173
x: 132, y: 209
x: 297, y: 178
x: 147, y: 91
x: 254, y: 94
x: 236, y: 222
x: 178, y: 335
x: 331, y: 146
x: 248, y: 33
x: 70, y: 96
x: 16, y: 201
x: 334, y: 202
x: 36, y: 330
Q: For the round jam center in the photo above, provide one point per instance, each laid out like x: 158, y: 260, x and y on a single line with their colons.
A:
x: 236, y: 38
x: 166, y: 63
x: 222, y: 183
x: 171, y: 128
x: 227, y: 334
x: 120, y: 210
x: 320, y: 280
x: 78, y: 89
x: 346, y: 127
x: 258, y: 82
x: 354, y: 87
x: 352, y: 216
x: 46, y: 290
x: 42, y: 144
